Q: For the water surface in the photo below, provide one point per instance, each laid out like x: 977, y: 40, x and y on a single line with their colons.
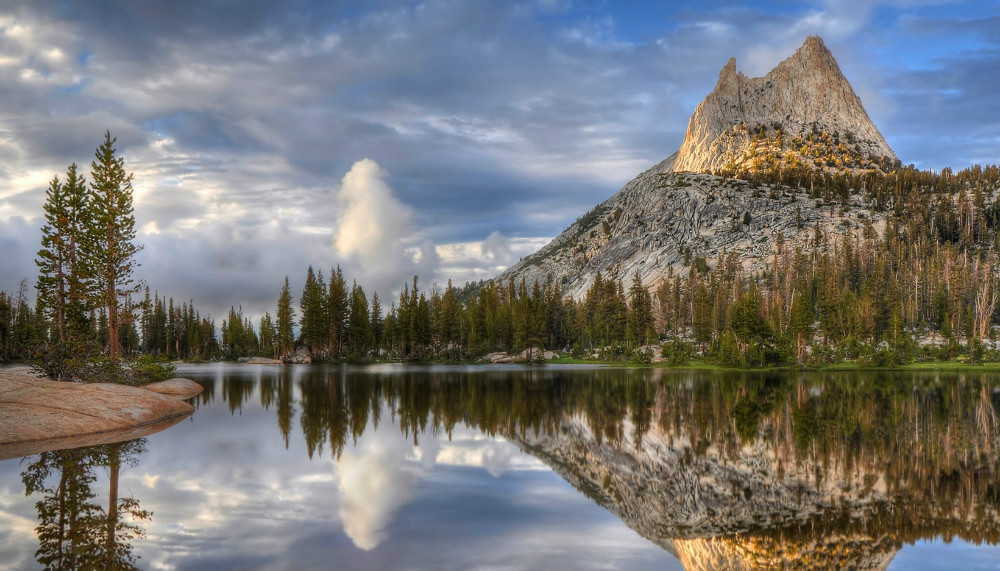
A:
x: 398, y: 467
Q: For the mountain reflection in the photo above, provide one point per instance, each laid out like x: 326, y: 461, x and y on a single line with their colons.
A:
x: 725, y: 471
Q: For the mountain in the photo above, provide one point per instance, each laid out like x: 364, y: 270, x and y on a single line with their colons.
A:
x: 801, y: 120
x: 803, y: 97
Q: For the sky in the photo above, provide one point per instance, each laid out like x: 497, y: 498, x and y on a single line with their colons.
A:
x: 444, y: 138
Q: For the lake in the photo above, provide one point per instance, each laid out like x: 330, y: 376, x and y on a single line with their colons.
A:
x: 524, y: 467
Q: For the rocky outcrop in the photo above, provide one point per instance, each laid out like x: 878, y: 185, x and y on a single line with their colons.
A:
x: 805, y: 94
x: 264, y: 361
x: 664, y: 220
x: 177, y: 388
x: 301, y: 356
x: 661, y: 222
x: 39, y: 414
x: 532, y: 355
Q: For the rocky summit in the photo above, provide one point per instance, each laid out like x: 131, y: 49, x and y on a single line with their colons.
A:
x: 784, y: 114
x: 801, y: 120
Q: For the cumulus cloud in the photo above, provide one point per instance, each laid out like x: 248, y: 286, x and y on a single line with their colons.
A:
x: 374, y: 483
x: 376, y: 231
x: 373, y: 221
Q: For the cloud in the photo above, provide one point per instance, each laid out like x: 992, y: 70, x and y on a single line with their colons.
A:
x: 19, y: 240
x: 496, y: 248
x: 373, y: 222
x: 376, y: 231
x: 473, y: 261
x: 373, y: 483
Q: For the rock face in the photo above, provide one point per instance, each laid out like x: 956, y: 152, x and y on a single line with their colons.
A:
x: 661, y: 222
x: 664, y: 219
x: 805, y: 94
x: 39, y: 414
x: 302, y: 356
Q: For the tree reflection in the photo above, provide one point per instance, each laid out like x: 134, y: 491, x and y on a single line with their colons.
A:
x: 749, y: 469
x: 74, y: 531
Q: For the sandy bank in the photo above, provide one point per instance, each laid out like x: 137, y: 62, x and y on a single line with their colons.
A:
x: 37, y: 414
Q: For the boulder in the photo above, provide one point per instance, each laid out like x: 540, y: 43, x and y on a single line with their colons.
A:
x: 177, y: 388
x: 499, y: 357
x: 264, y: 361
x: 302, y: 356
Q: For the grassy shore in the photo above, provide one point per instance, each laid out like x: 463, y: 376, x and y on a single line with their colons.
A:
x: 841, y: 366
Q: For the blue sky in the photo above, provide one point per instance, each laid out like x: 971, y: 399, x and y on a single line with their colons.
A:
x: 446, y: 138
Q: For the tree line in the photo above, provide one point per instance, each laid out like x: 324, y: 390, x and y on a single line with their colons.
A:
x: 869, y: 294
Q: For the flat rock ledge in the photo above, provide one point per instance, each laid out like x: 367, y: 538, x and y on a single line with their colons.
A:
x: 264, y: 361
x: 177, y: 388
x: 37, y: 414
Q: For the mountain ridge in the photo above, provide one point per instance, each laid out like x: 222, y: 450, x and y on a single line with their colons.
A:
x: 690, y: 205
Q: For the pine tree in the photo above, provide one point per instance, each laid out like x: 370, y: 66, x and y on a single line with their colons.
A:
x: 52, y: 259
x: 286, y: 320
x: 112, y: 233
x: 313, y: 307
x: 267, y: 335
x: 63, y: 278
x: 641, y: 323
x: 801, y: 323
x: 336, y: 306
x: 376, y: 321
x: 359, y: 331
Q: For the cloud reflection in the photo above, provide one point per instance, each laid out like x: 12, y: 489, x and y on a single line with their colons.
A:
x: 374, y: 482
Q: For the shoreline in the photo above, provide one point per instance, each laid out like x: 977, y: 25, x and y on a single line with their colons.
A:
x: 38, y: 414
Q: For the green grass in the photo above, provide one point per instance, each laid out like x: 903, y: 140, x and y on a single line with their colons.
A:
x: 698, y: 365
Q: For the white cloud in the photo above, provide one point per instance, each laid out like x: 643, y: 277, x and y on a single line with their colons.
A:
x: 373, y: 222
x: 376, y: 232
x: 472, y: 261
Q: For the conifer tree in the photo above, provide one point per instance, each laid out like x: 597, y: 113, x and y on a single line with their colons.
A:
x: 376, y: 321
x: 286, y: 320
x: 112, y: 233
x: 62, y: 275
x: 641, y: 323
x: 336, y: 306
x: 359, y: 323
x: 312, y: 305
x: 267, y: 334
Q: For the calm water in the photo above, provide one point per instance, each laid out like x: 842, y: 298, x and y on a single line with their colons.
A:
x: 398, y: 467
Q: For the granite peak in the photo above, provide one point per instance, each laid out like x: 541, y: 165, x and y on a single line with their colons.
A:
x: 804, y: 95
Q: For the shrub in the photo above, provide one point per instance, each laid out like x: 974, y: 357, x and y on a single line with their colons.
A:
x: 82, y: 363
x: 677, y: 353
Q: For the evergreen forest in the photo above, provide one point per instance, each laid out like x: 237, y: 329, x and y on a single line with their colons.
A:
x: 923, y: 287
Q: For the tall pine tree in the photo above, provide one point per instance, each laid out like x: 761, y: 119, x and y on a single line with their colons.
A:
x: 62, y: 261
x: 113, y: 234
x: 286, y: 321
